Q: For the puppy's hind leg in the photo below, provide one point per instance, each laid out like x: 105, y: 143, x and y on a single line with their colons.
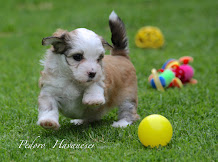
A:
x: 48, y: 112
x: 77, y: 121
x: 127, y: 114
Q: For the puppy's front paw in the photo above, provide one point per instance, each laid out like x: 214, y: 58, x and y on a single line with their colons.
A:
x: 93, y: 100
x: 49, y: 124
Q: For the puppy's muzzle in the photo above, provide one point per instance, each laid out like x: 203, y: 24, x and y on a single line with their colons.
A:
x: 91, y: 75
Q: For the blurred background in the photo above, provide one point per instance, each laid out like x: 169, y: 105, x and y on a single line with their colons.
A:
x: 189, y: 28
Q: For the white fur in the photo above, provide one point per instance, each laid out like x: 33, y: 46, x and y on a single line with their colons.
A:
x: 77, y: 121
x: 113, y: 16
x: 121, y: 123
x: 94, y: 95
x: 53, y: 115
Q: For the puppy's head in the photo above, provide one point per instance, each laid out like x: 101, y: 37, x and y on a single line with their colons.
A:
x: 83, y: 51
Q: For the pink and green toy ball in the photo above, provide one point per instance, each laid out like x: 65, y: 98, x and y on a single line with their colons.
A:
x: 174, y: 73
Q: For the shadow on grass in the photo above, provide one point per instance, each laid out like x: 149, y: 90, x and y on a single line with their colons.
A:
x: 83, y: 132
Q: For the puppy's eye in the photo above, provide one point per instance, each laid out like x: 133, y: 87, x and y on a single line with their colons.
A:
x: 78, y: 57
x: 100, y: 57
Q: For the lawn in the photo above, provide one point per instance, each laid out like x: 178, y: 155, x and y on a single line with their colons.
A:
x: 189, y: 27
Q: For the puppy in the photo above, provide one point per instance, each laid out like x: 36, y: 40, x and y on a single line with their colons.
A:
x: 82, y: 83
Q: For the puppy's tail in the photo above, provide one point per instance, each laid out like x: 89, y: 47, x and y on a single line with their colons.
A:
x: 118, y: 38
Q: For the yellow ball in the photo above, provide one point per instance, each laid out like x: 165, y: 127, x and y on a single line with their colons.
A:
x: 149, y: 37
x: 155, y: 130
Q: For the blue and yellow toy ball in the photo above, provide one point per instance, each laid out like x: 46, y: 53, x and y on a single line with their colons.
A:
x: 155, y: 130
x: 149, y: 37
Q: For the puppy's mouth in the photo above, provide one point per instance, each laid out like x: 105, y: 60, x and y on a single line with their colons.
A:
x: 89, y: 80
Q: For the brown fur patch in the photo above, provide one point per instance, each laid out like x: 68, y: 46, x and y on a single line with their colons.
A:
x: 119, y: 53
x: 120, y: 81
x: 59, y: 32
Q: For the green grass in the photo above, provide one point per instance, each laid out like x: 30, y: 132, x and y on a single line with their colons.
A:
x: 189, y: 27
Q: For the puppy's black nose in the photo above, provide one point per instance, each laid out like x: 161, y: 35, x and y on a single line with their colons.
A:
x: 91, y: 74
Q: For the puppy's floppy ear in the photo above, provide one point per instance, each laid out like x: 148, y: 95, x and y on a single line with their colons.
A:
x: 59, y: 40
x: 51, y: 40
x: 105, y: 44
